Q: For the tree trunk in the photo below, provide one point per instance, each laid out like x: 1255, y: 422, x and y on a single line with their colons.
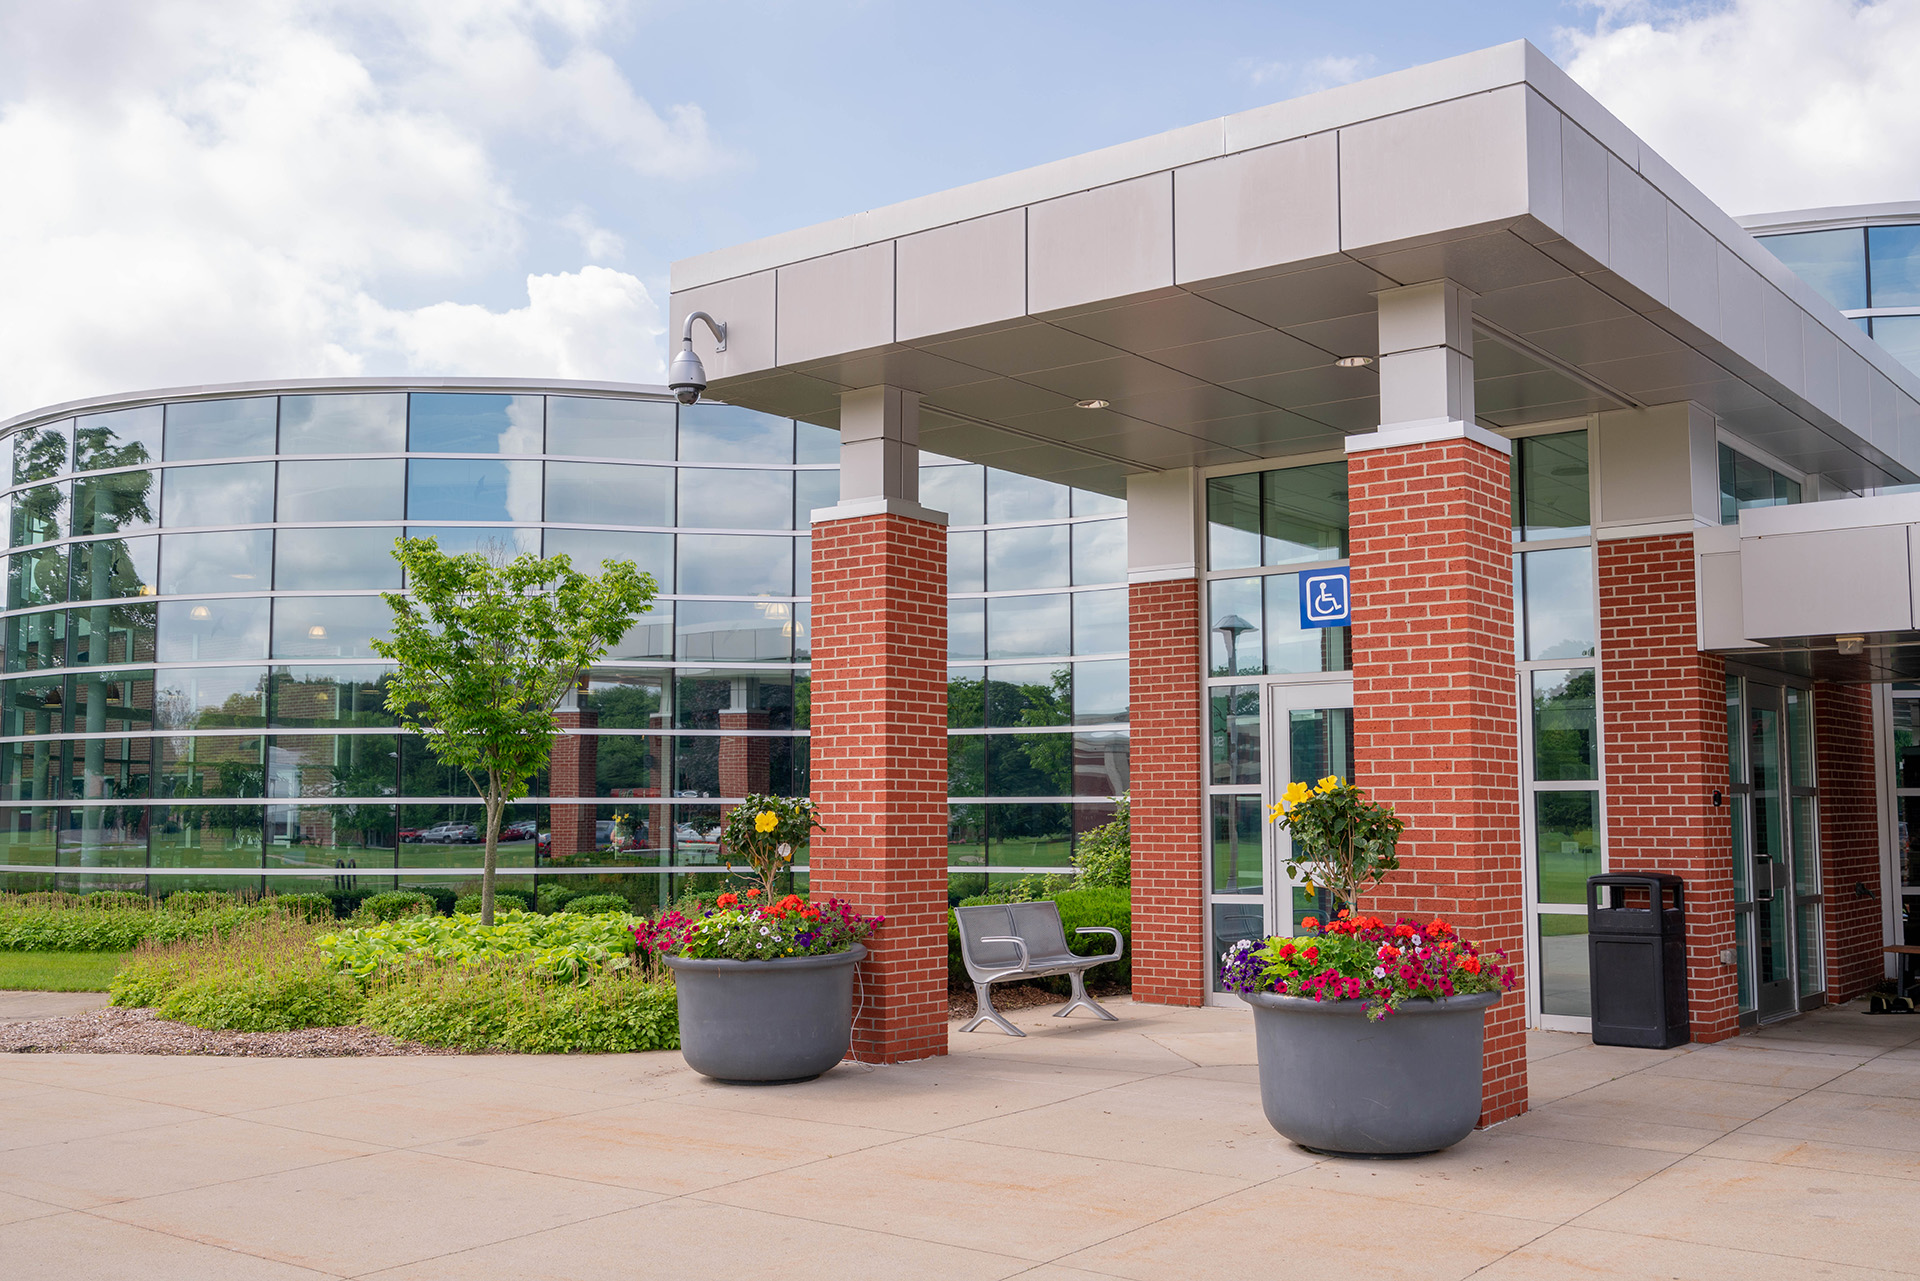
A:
x: 495, y: 804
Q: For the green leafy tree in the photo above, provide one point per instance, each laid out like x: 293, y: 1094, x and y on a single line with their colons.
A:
x: 486, y: 650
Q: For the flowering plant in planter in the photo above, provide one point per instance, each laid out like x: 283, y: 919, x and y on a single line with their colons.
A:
x: 1342, y: 842
x: 1364, y: 958
x: 767, y: 831
x: 750, y: 927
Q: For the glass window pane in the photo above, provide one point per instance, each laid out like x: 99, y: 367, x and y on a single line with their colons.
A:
x: 966, y: 629
x: 1729, y: 501
x: 1234, y: 633
x: 1565, y: 986
x: 966, y: 765
x: 1565, y: 729
x: 356, y: 837
x: 116, y: 567
x: 116, y: 634
x: 221, y: 428
x: 1900, y: 335
x: 1101, y: 692
x: 36, y: 641
x: 603, y: 427
x: 233, y: 494
x: 966, y: 840
x: 1799, y: 737
x: 1030, y: 765
x: 731, y: 632
x: 41, y: 454
x: 813, y: 490
x: 196, y: 630
x: 1238, y: 864
x: 1029, y: 557
x: 1028, y: 695
x: 1101, y: 764
x: 588, y: 549
x: 735, y: 565
x: 627, y: 700
x: 1100, y: 552
x: 236, y: 561
x: 495, y: 541
x: 966, y: 697
x: 1806, y: 852
x: 650, y: 637
x: 960, y: 492
x: 1553, y: 485
x: 1558, y: 589
x: 1035, y: 836
x: 1234, y: 921
x: 1235, y: 733
x: 37, y: 577
x: 1100, y: 622
x: 609, y: 494
x: 343, y: 424
x: 116, y: 503
x: 1833, y: 262
x: 967, y: 561
x: 803, y: 566
x: 123, y: 438
x: 1807, y: 927
x: 472, y: 489
x: 815, y: 444
x: 39, y: 514
x: 1011, y: 496
x: 210, y: 698
x: 1319, y: 743
x: 344, y: 489
x: 343, y: 697
x: 1567, y: 836
x: 1233, y: 521
x: 1291, y: 647
x: 1895, y: 257
x: 1303, y: 514
x: 464, y: 423
x: 336, y: 559
x: 1752, y: 483
x: 712, y: 433
x: 329, y: 626
x: 1087, y: 502
x: 1029, y: 626
x: 729, y: 498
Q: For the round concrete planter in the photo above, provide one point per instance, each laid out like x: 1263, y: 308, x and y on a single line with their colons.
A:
x: 1335, y: 1083
x: 765, y: 1022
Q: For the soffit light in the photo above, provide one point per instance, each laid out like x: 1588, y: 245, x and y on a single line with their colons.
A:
x: 1354, y: 362
x: 1089, y: 404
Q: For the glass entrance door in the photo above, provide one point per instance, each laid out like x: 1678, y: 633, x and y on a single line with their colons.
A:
x: 1776, y: 848
x: 1312, y: 729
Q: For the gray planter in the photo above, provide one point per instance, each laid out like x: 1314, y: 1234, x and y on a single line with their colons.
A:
x: 765, y: 1022
x: 1335, y: 1083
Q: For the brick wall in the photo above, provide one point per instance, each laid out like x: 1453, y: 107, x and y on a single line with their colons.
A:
x: 879, y: 752
x: 744, y: 762
x: 1435, y: 728
x: 571, y: 772
x: 1663, y: 707
x: 1168, y: 838
x: 1849, y: 837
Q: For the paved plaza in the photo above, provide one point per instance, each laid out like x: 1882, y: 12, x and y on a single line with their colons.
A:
x: 1134, y: 1149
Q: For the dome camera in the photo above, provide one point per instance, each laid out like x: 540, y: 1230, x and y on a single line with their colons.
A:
x: 686, y: 376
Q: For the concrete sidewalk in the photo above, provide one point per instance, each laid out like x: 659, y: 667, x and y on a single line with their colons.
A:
x: 1134, y: 1149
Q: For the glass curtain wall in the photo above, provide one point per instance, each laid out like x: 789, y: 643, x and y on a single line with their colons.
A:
x: 1872, y: 274
x: 1556, y: 634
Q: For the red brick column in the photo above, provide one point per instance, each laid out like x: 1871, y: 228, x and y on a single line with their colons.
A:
x: 1663, y: 709
x: 744, y: 761
x: 1435, y: 730
x: 880, y: 765
x: 571, y: 772
x: 1170, y: 962
x: 1849, y: 837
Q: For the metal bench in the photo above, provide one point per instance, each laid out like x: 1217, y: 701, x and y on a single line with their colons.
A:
x: 1006, y: 942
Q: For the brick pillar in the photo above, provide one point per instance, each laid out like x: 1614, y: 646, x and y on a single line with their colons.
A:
x: 1435, y: 728
x: 1663, y: 713
x: 879, y: 748
x: 1849, y: 837
x: 1170, y: 964
x: 571, y: 772
x: 744, y: 761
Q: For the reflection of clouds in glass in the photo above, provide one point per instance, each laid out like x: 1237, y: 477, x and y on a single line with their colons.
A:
x: 735, y: 565
x: 501, y: 544
x: 336, y: 559
x: 1024, y: 558
x: 336, y: 424
x: 1558, y: 603
x: 473, y: 489
x: 1029, y: 626
x: 194, y: 631
x: 207, y: 697
x: 234, y: 561
x: 344, y: 489
x: 231, y: 494
x: 525, y: 430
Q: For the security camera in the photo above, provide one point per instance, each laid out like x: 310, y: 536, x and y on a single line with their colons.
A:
x: 686, y: 376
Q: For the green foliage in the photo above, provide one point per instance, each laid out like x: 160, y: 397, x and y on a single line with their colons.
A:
x: 504, y: 900
x: 304, y: 907
x: 1104, y: 856
x: 100, y: 899
x: 57, y: 971
x: 745, y: 927
x: 554, y: 898
x: 1103, y: 907
x: 598, y: 905
x: 767, y: 831
x: 494, y: 1007
x: 394, y: 904
x: 1342, y: 842
x: 487, y: 651
x: 29, y: 927
x: 198, y: 900
x: 564, y: 946
x: 261, y: 977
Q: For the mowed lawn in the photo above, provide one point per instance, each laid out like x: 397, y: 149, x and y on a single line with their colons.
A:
x: 58, y: 971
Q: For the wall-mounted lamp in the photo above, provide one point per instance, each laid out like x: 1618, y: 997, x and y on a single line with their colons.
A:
x: 686, y: 376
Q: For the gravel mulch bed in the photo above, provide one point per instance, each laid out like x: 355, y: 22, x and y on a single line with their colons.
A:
x: 117, y: 1031
x: 1019, y: 996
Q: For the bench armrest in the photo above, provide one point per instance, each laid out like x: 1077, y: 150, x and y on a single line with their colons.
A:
x: 1026, y: 958
x: 1119, y: 944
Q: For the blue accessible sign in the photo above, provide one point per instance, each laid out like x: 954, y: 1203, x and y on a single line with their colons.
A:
x: 1326, y: 598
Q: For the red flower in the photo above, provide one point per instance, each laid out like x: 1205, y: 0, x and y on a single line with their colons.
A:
x: 1309, y: 923
x: 1388, y: 952
x: 727, y: 900
x: 753, y: 893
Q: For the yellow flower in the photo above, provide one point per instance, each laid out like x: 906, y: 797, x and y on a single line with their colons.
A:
x: 765, y: 821
x: 1295, y: 793
x: 1330, y: 783
x: 1274, y: 812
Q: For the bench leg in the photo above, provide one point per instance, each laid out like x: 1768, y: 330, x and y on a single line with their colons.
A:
x: 985, y: 1013
x: 1081, y: 998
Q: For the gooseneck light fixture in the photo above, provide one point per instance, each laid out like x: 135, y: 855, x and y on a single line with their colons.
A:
x: 686, y: 376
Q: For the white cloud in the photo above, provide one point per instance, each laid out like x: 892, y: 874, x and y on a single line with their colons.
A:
x: 200, y: 191
x: 1313, y: 75
x: 1766, y: 104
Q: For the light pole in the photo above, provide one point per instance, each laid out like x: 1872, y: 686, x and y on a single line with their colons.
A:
x: 1232, y: 625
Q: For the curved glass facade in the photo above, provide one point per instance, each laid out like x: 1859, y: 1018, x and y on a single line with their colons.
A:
x: 190, y: 699
x: 1870, y: 272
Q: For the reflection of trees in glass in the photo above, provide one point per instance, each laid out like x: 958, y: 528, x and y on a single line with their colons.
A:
x: 321, y: 700
x: 1027, y: 703
x: 1030, y: 765
x: 1563, y: 727
x: 37, y: 513
x: 624, y: 706
x: 38, y: 455
x: 99, y: 447
x: 966, y: 702
x: 626, y: 763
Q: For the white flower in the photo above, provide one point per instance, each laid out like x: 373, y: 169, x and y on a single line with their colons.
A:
x: 1414, y: 941
x: 1379, y: 971
x: 764, y: 930
x: 786, y: 850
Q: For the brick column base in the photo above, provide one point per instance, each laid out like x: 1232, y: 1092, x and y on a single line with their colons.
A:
x: 1849, y: 837
x: 1170, y: 952
x: 879, y: 753
x: 571, y: 771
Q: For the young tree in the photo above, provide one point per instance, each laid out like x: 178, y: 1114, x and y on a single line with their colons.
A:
x: 486, y: 650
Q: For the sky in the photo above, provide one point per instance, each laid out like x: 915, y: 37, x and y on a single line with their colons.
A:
x: 201, y: 191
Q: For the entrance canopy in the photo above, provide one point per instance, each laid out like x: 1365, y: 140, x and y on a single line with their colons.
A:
x: 1205, y: 284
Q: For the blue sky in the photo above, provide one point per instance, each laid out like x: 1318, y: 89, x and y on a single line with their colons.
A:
x: 201, y: 191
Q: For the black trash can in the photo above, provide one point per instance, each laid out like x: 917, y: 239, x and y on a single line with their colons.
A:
x: 1637, y: 959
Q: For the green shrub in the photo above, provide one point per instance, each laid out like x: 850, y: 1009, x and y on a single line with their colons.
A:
x: 266, y: 999
x: 1103, y: 907
x: 503, y: 901
x: 394, y: 904
x: 1104, y: 856
x: 495, y: 1007
x: 599, y: 905
x: 554, y: 898
x: 198, y: 900
x: 84, y: 928
x: 347, y: 902
x: 303, y: 907
x: 443, y: 898
x: 100, y: 900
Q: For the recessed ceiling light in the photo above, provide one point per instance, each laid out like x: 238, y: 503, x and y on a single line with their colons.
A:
x: 1089, y: 404
x: 1354, y: 362
x: 317, y: 631
x: 200, y: 611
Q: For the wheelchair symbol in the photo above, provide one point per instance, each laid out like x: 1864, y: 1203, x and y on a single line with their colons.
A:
x: 1326, y: 599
